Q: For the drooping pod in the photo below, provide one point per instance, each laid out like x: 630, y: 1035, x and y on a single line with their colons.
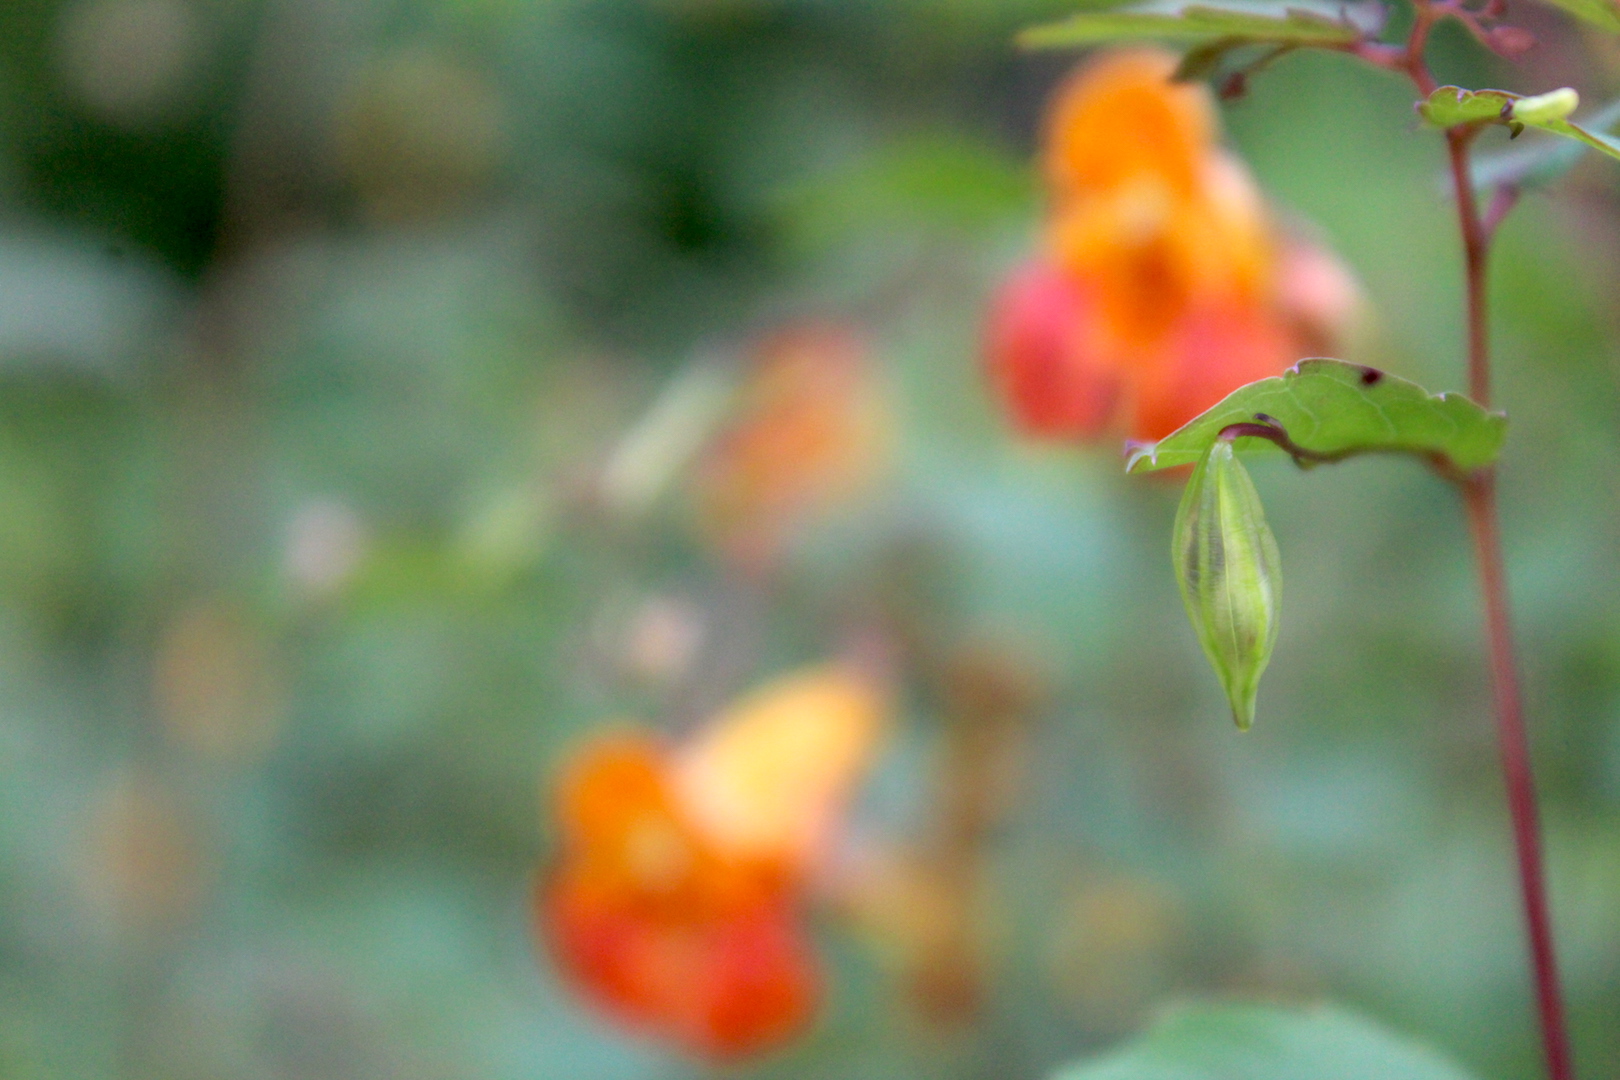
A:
x: 1230, y: 574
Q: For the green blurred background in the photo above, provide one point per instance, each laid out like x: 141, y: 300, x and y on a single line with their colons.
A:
x: 318, y: 320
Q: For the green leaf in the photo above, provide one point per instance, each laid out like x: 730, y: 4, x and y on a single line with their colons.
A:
x: 1202, y: 60
x: 1255, y: 1042
x: 1254, y: 22
x: 1449, y: 106
x: 1604, y: 13
x: 1332, y: 410
x: 1605, y: 144
x: 1541, y: 162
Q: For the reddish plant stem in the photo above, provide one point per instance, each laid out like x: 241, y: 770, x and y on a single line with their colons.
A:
x: 1479, y: 492
x: 1476, y: 249
x: 1480, y: 495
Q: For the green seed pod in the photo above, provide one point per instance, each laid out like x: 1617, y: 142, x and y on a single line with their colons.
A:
x: 1230, y: 574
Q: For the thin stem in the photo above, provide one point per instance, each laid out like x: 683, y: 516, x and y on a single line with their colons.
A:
x: 1427, y: 14
x: 1480, y: 495
x: 1476, y: 250
x: 1479, y: 492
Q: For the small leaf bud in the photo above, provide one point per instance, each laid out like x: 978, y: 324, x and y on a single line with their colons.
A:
x: 1230, y: 574
x: 1545, y: 108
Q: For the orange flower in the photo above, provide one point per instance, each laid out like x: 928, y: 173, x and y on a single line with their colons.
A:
x: 674, y: 902
x: 657, y: 925
x: 1157, y: 292
x: 809, y: 431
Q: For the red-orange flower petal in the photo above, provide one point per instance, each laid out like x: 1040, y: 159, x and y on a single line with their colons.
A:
x: 673, y: 900
x: 628, y: 839
x: 659, y: 927
x: 1212, y: 352
x: 1038, y: 362
x: 1158, y: 293
x: 722, y: 983
x: 1320, y: 297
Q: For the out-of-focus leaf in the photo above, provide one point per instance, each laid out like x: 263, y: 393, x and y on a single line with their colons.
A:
x: 1254, y: 1042
x: 1604, y: 13
x: 1250, y: 23
x: 1449, y: 106
x: 1332, y: 409
x: 652, y: 454
x: 1201, y: 61
x: 1076, y: 7
x: 936, y: 182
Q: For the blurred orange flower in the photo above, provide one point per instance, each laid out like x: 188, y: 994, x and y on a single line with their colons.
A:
x: 674, y: 901
x: 1157, y: 289
x: 809, y: 430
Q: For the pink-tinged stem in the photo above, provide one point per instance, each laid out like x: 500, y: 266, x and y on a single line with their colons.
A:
x: 1479, y: 492
x: 1480, y: 495
x: 1476, y: 249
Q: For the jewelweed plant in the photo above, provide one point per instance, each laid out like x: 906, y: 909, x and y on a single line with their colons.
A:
x: 1323, y: 411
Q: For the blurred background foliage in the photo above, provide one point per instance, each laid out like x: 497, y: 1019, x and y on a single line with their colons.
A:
x: 321, y: 323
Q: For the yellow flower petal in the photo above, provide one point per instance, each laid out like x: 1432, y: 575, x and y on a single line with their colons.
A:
x: 769, y: 777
